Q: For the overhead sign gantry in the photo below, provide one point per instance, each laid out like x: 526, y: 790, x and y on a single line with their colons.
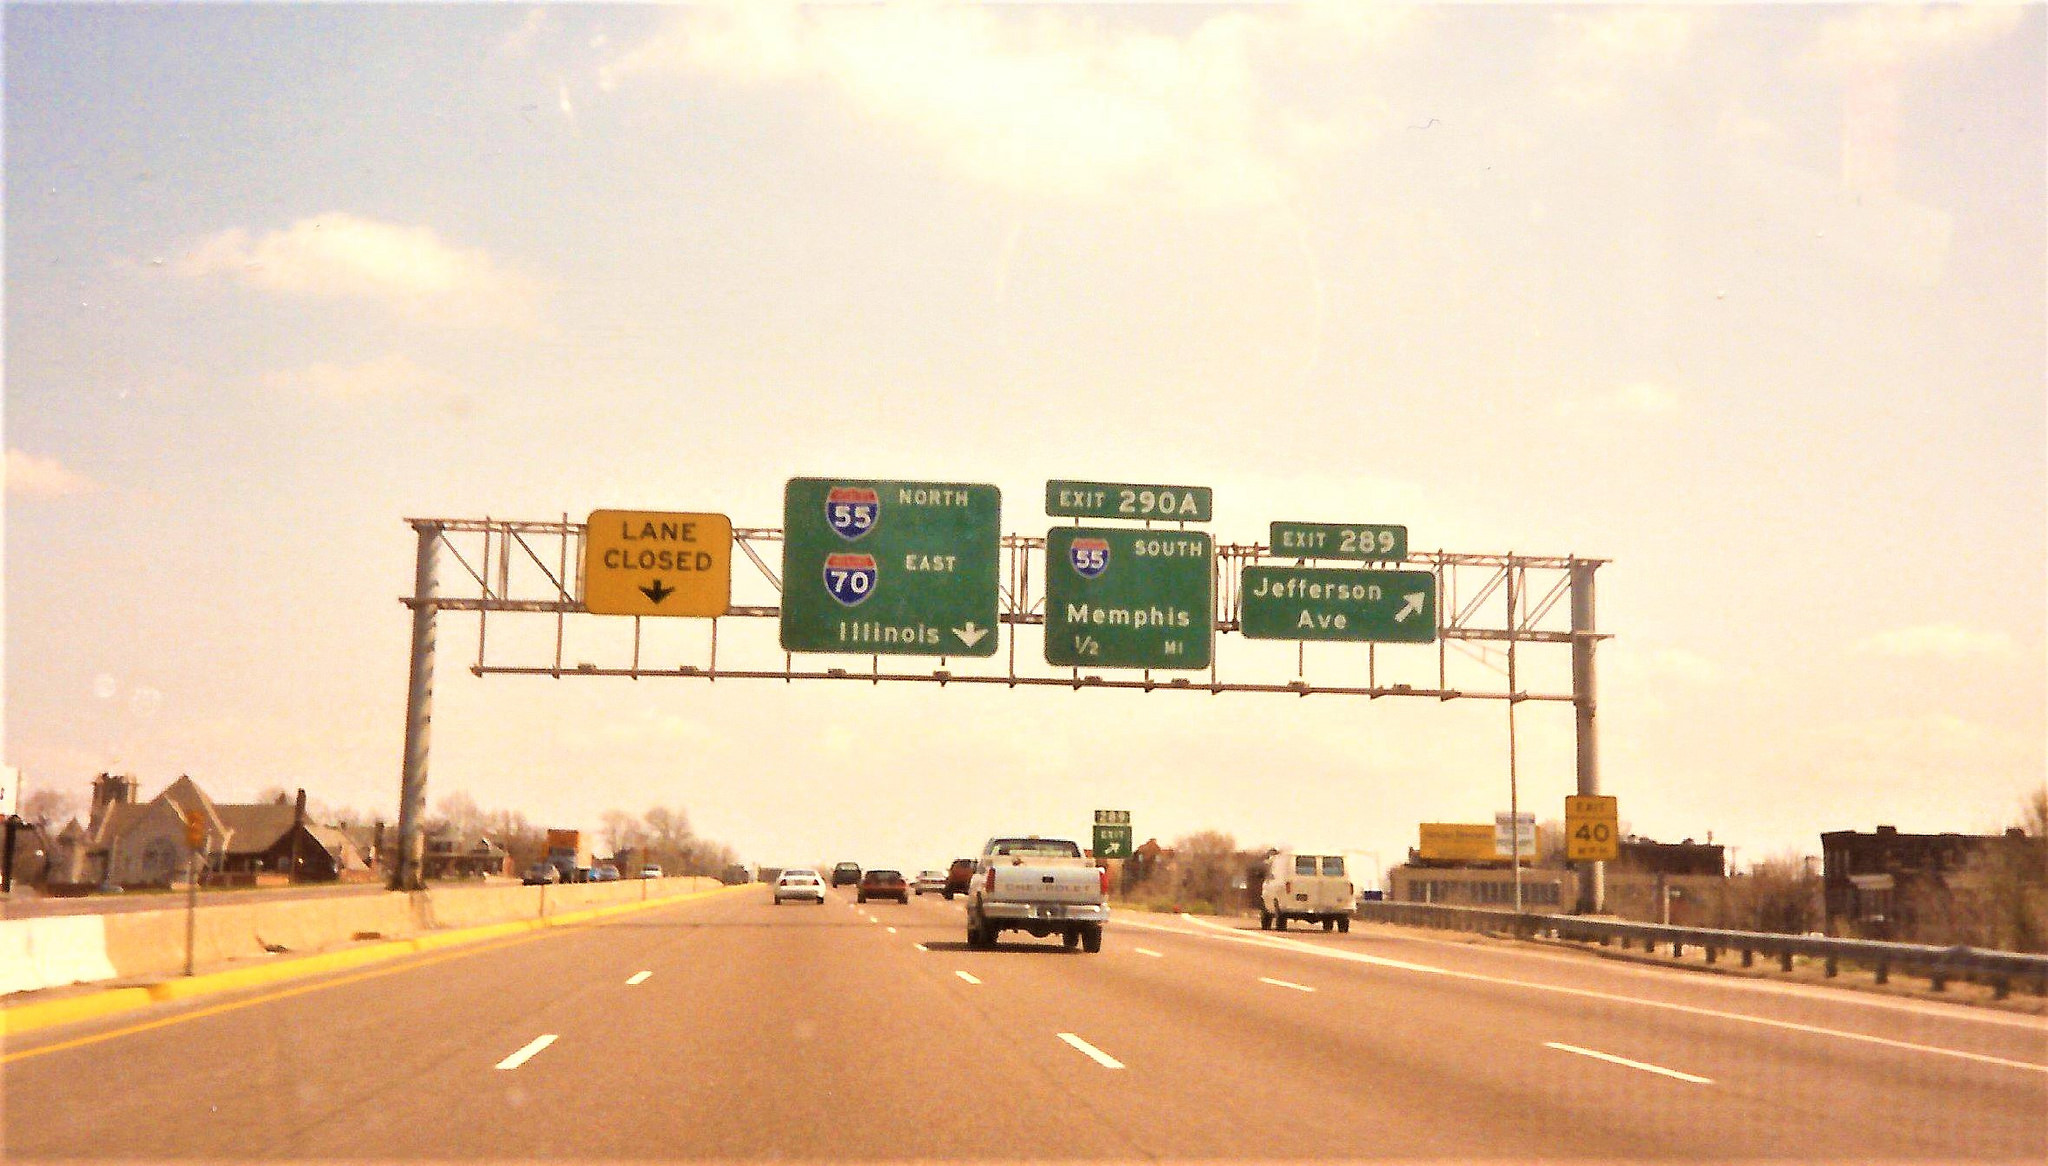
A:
x: 878, y: 568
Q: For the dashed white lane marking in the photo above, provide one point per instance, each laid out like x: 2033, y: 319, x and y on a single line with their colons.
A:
x: 637, y: 978
x: 1218, y: 931
x: 1148, y: 951
x: 1285, y: 984
x: 1093, y: 1053
x: 1611, y: 1059
x: 920, y: 947
x: 966, y: 977
x: 890, y: 930
x: 526, y: 1054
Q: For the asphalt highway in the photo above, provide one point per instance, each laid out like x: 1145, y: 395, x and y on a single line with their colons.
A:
x: 727, y: 1028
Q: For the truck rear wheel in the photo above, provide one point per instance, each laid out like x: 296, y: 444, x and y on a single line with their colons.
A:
x: 1344, y: 924
x: 1329, y: 925
x: 1265, y: 919
x: 1071, y: 939
x: 1279, y: 921
x: 1091, y: 937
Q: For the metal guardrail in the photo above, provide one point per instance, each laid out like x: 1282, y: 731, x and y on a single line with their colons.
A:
x: 1939, y: 964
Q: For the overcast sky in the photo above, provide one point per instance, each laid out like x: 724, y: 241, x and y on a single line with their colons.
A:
x: 1749, y: 301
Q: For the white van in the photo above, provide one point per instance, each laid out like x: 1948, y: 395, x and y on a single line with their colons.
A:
x: 1315, y: 888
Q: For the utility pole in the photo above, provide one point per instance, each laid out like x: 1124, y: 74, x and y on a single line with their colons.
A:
x: 1592, y: 888
x: 419, y: 702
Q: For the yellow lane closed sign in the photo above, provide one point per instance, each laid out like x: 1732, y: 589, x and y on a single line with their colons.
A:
x: 1592, y: 828
x: 638, y: 562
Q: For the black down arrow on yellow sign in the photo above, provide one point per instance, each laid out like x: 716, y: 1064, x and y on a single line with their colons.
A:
x: 640, y: 562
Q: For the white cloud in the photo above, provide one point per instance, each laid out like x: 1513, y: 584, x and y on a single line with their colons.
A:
x: 1933, y: 743
x: 384, y: 378
x: 1050, y: 102
x: 1640, y: 398
x: 520, y: 41
x: 1886, y: 36
x: 32, y: 476
x: 343, y: 256
x: 1943, y: 641
x: 1599, y: 53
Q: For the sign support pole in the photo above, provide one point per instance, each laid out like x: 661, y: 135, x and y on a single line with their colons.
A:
x: 7, y: 857
x: 1592, y: 888
x: 419, y: 702
x: 191, y: 905
x: 1514, y: 784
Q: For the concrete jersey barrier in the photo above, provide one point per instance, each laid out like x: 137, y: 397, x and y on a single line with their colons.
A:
x: 70, y: 949
x: 52, y: 952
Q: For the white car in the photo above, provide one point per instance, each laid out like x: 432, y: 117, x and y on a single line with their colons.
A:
x: 932, y: 881
x: 800, y: 884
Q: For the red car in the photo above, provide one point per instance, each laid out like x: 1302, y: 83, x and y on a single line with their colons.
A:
x: 958, y: 877
x: 883, y: 884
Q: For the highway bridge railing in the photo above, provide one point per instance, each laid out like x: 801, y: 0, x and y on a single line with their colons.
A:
x: 2000, y: 969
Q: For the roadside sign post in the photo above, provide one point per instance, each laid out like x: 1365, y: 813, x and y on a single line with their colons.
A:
x: 1112, y: 834
x: 7, y: 857
x: 1592, y: 828
x: 195, y: 837
x: 890, y: 568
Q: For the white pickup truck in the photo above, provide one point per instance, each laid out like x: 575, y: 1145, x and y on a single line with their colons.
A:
x: 1041, y: 885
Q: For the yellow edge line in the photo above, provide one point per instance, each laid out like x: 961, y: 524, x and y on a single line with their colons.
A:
x: 30, y: 1017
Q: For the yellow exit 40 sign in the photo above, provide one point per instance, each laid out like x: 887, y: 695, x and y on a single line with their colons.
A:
x: 1592, y: 828
x: 638, y: 562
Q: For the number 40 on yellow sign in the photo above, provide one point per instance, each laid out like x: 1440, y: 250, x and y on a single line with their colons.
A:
x: 1592, y: 828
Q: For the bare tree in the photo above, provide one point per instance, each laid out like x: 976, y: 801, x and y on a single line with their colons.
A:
x: 49, y: 809
x: 1205, y: 865
x: 459, y: 814
x: 623, y: 829
x: 1780, y: 894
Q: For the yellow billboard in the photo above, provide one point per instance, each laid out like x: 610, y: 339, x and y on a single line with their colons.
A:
x: 1458, y: 841
x: 1468, y: 842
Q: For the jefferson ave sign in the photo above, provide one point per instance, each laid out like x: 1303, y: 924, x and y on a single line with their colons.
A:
x: 1321, y: 603
x: 890, y: 568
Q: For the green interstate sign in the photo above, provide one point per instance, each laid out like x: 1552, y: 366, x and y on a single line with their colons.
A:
x: 1328, y: 603
x: 1126, y: 500
x: 1112, y: 841
x: 1339, y: 540
x: 890, y: 568
x: 1123, y: 598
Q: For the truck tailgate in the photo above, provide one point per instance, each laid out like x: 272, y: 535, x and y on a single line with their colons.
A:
x: 1035, y: 883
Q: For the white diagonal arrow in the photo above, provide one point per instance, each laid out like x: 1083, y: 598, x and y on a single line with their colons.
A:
x: 970, y: 635
x: 1412, y: 607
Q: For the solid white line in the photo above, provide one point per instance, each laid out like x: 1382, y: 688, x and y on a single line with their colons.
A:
x: 1582, y: 993
x: 1611, y: 1059
x: 1285, y: 984
x: 966, y: 977
x: 526, y: 1054
x: 637, y: 978
x: 1148, y: 951
x: 1093, y: 1053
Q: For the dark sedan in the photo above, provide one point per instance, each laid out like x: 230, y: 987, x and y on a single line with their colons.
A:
x: 883, y: 884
